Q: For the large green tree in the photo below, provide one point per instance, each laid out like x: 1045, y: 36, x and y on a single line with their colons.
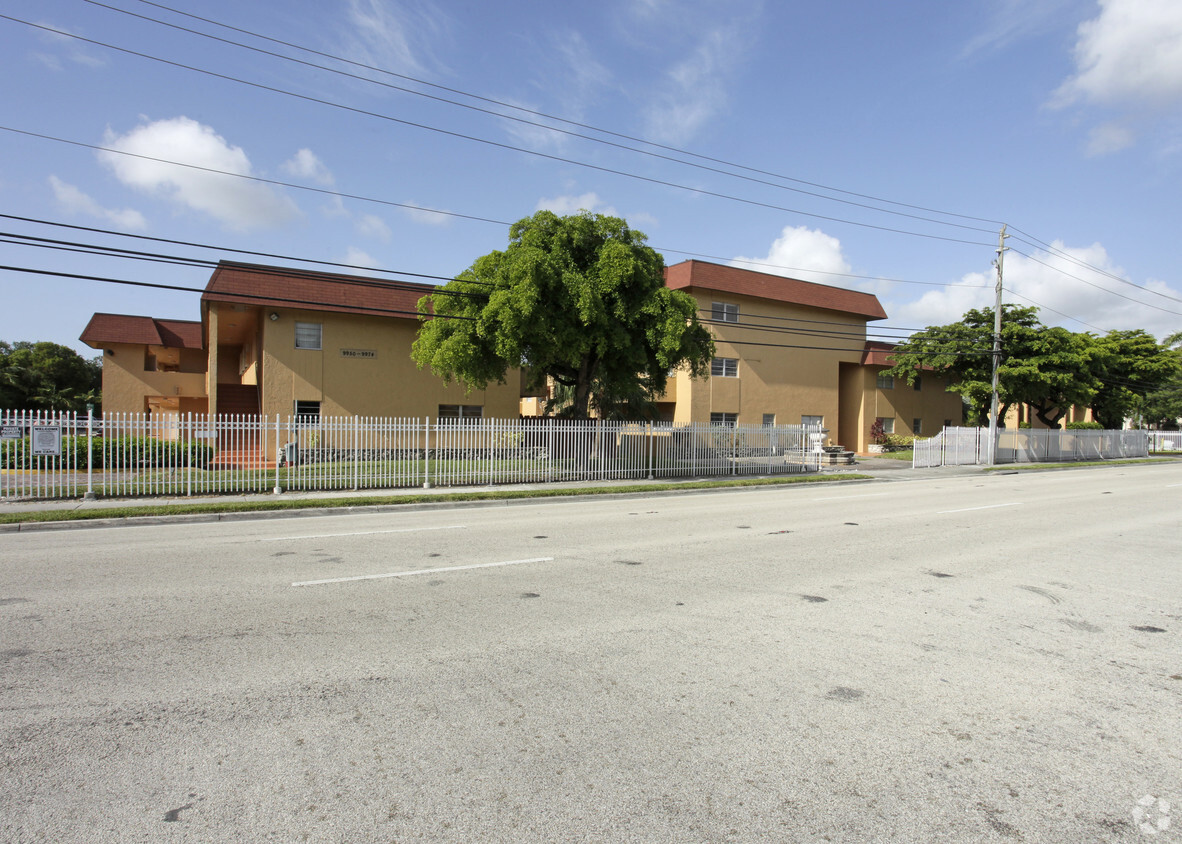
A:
x: 579, y: 300
x: 1162, y: 407
x: 1049, y: 368
x: 47, y: 376
x: 1131, y: 367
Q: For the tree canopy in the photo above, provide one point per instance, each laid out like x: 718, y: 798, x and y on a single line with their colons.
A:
x: 47, y: 376
x: 1048, y: 368
x: 579, y: 300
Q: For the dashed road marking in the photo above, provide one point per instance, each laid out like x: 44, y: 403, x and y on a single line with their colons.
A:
x: 986, y: 507
x: 421, y: 571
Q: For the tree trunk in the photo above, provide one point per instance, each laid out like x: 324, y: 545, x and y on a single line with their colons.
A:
x: 1051, y: 421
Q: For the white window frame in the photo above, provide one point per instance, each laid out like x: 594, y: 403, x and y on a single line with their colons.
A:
x: 724, y: 367
x: 307, y: 329
x: 724, y: 312
x: 885, y: 382
x: 728, y: 420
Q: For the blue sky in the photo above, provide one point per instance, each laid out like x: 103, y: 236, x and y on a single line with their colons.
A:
x: 828, y: 141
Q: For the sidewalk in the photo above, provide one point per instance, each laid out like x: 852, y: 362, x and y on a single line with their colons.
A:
x: 878, y: 469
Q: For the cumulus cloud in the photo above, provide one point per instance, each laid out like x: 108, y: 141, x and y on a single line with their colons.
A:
x: 358, y: 258
x: 1131, y: 51
x: 74, y: 201
x: 1091, y: 300
x: 1108, y: 138
x: 369, y: 225
x: 236, y: 203
x: 802, y: 253
x: 564, y: 205
x: 305, y: 165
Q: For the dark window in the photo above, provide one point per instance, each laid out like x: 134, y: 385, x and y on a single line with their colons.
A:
x: 886, y: 382
x: 724, y: 418
x: 723, y: 312
x: 307, y: 412
x: 725, y: 367
x: 460, y: 413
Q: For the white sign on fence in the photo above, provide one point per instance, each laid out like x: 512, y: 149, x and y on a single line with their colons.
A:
x: 11, y: 432
x: 47, y: 441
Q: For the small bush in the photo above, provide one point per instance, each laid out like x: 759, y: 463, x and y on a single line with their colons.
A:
x: 1084, y: 426
x: 122, y: 453
x: 898, y: 442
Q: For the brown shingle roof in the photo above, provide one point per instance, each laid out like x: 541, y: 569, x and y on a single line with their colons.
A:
x: 707, y: 276
x: 877, y: 354
x: 278, y: 287
x: 105, y: 329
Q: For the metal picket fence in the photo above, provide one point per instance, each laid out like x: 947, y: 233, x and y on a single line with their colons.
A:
x: 47, y: 455
x: 970, y: 446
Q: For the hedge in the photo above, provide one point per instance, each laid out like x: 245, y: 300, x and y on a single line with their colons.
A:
x: 121, y: 453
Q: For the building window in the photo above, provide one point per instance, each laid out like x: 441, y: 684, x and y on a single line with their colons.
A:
x: 769, y: 420
x: 888, y: 424
x: 886, y: 382
x: 817, y: 421
x: 726, y: 367
x: 459, y: 414
x: 307, y: 412
x: 307, y: 335
x: 947, y: 423
x: 723, y: 312
x: 724, y: 418
x: 916, y: 426
x: 918, y: 383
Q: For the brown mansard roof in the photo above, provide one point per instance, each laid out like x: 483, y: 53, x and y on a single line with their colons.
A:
x: 279, y: 287
x: 724, y: 279
x: 105, y: 329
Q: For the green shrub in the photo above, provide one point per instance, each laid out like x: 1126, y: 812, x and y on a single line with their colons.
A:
x: 122, y: 453
x: 1084, y: 426
x: 898, y: 442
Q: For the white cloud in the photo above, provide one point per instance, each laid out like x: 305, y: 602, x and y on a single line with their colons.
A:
x: 74, y: 201
x: 394, y: 35
x: 237, y: 203
x: 694, y: 89
x: 1091, y: 301
x: 1108, y: 138
x: 359, y: 258
x: 565, y: 205
x: 1131, y: 51
x: 305, y: 165
x: 74, y: 50
x: 802, y: 253
x: 1009, y: 21
x: 369, y: 225
x: 426, y: 216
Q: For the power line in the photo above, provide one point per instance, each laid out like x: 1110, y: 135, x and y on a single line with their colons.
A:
x: 1098, y: 287
x: 1034, y: 241
x: 488, y: 142
x: 533, y: 112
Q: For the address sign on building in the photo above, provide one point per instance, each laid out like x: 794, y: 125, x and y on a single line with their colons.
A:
x: 358, y: 353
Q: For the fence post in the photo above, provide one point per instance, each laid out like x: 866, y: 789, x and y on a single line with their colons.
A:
x: 189, y: 454
x: 89, y: 496
x: 356, y: 461
x: 278, y: 453
x: 426, y: 452
x: 651, y: 476
x: 735, y: 448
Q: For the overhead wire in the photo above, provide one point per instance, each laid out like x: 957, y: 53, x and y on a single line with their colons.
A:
x: 486, y: 141
x: 535, y: 124
x: 525, y: 110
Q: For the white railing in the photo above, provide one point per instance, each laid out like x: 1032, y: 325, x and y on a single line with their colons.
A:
x: 1164, y: 441
x: 970, y: 446
x: 127, y: 455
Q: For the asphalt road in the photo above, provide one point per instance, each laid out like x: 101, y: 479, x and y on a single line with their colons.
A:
x: 984, y: 658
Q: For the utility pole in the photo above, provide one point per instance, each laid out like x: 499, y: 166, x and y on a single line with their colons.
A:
x: 1001, y: 252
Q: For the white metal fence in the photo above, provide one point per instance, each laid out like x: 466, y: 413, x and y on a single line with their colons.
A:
x: 1164, y: 441
x: 970, y: 446
x: 45, y: 455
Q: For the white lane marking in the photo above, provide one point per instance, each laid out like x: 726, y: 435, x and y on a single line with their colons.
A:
x: 357, y: 533
x: 845, y: 497
x: 421, y: 571
x: 1171, y: 486
x: 986, y: 507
